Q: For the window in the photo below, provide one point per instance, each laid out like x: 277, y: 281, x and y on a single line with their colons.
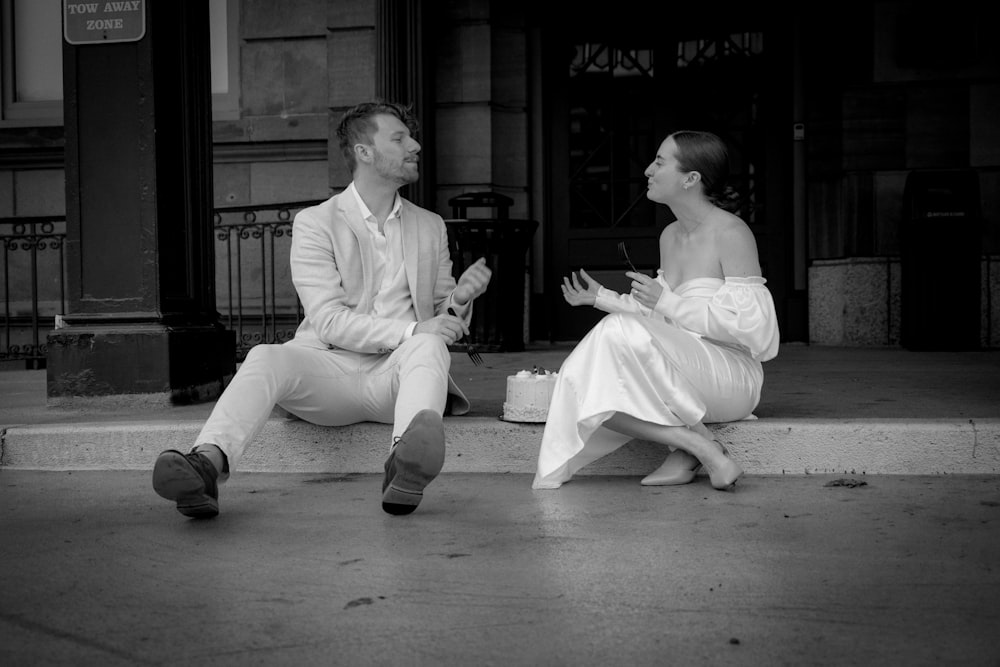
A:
x: 225, y: 40
x: 31, y: 62
x: 31, y: 43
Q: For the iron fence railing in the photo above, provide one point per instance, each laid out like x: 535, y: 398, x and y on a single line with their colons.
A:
x: 254, y: 292
x: 253, y: 282
x: 34, y: 279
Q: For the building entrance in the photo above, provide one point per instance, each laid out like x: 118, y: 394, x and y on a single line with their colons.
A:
x: 613, y: 94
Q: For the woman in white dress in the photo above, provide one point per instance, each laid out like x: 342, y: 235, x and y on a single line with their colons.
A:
x: 680, y: 350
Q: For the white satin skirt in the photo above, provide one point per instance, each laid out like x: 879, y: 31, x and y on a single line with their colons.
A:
x: 649, y: 369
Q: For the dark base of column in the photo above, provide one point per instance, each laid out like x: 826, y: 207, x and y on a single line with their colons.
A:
x: 175, y: 364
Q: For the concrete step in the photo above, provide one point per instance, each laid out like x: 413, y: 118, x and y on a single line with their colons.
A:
x: 489, y: 445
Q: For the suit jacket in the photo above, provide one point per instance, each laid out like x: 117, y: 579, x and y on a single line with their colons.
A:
x: 332, y: 269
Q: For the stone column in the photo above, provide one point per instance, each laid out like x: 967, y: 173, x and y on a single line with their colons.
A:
x: 141, y: 316
x: 400, y: 76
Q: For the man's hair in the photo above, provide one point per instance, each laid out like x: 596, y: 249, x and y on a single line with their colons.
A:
x: 358, y: 126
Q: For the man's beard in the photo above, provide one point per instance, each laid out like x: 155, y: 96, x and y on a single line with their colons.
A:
x: 399, y: 174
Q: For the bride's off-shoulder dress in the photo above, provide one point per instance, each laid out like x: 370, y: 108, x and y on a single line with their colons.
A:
x: 695, y: 357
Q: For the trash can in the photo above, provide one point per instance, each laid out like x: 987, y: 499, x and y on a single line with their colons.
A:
x: 498, y: 315
x: 940, y: 255
x: 500, y: 204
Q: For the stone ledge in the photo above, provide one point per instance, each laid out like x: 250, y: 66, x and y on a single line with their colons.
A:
x: 801, y: 446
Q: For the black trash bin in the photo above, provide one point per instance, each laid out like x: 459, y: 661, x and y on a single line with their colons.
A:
x: 460, y: 204
x: 498, y: 315
x: 940, y: 255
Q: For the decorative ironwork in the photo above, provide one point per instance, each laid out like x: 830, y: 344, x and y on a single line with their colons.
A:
x: 255, y: 294
x: 695, y: 52
x: 33, y: 285
x: 602, y: 58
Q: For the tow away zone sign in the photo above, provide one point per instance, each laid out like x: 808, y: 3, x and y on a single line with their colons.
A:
x: 103, y: 22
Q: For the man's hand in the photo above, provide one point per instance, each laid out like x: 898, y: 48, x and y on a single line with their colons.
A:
x: 576, y: 294
x: 449, y: 327
x: 645, y: 290
x: 472, y: 282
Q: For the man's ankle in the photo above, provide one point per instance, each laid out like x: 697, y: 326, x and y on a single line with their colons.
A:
x: 215, y: 455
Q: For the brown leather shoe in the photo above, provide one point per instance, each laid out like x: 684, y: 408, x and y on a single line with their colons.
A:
x: 415, y: 460
x: 190, y: 480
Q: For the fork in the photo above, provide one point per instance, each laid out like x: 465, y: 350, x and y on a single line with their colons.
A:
x: 477, y: 359
x: 623, y: 256
x: 470, y: 349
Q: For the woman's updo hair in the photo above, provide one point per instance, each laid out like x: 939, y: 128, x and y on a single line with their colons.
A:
x: 707, y: 154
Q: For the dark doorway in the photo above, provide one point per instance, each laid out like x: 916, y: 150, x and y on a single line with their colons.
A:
x: 614, y: 91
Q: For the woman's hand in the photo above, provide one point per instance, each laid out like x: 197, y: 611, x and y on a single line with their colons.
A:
x: 645, y: 290
x: 576, y: 294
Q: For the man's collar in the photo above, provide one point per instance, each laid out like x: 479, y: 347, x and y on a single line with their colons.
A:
x: 366, y: 212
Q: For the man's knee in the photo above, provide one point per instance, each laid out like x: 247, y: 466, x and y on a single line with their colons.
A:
x: 429, y: 344
x: 428, y: 348
x: 265, y: 354
x: 275, y: 360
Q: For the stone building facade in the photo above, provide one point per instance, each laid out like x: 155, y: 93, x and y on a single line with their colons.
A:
x: 830, y: 113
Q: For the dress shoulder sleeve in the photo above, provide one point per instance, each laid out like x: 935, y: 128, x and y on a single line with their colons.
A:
x: 740, y: 312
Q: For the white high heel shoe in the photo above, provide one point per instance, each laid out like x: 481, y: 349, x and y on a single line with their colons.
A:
x: 678, y: 468
x: 722, y: 470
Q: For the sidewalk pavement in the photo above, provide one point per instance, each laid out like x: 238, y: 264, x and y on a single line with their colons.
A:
x: 846, y: 565
x: 305, y: 569
x: 823, y: 410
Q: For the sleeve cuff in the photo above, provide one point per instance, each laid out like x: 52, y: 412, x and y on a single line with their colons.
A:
x: 460, y: 311
x: 667, y: 303
x: 607, y: 300
x: 409, y: 330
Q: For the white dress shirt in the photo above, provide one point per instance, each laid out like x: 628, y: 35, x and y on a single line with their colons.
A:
x: 392, y: 298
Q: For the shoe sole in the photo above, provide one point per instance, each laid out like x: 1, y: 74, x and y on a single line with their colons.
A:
x: 175, y: 479
x: 419, y: 459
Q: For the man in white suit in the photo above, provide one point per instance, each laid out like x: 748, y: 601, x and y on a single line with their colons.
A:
x: 374, y: 275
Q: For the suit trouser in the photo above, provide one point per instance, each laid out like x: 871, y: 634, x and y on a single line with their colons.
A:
x: 329, y: 388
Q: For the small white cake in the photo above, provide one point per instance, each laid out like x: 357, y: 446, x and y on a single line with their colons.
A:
x: 528, y: 396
